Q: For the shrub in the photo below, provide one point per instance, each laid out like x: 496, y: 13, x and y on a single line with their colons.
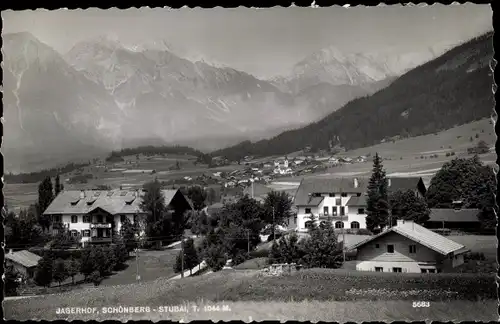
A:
x: 60, y: 271
x: 43, y: 276
x: 260, y: 253
x: 11, y: 281
x: 95, y: 277
x: 475, y: 256
x: 215, y: 257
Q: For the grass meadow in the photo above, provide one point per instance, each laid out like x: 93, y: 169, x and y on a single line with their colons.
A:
x: 315, y: 294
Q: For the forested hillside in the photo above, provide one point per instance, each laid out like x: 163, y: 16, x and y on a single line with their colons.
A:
x: 453, y: 89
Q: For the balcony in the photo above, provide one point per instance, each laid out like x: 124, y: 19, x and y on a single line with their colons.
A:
x: 325, y: 217
x: 100, y: 225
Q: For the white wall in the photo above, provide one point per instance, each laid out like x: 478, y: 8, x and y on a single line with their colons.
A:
x: 80, y: 225
x: 350, y: 215
x: 408, y: 266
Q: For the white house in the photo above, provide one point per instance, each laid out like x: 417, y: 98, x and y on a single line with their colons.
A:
x: 281, y: 163
x: 342, y: 201
x: 91, y: 215
x: 408, y: 247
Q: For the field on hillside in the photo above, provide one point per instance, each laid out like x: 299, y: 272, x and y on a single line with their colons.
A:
x: 411, y: 157
x: 307, y: 288
x: 131, y: 172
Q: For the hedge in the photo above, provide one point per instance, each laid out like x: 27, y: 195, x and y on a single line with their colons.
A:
x: 62, y: 254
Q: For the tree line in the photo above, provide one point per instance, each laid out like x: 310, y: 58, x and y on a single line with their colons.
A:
x: 39, y: 176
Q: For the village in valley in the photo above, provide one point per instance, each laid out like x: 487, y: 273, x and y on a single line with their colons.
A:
x: 349, y: 219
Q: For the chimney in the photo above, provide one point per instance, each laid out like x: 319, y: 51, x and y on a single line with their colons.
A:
x: 388, y: 182
x: 11, y: 251
x: 356, y: 183
x: 82, y: 194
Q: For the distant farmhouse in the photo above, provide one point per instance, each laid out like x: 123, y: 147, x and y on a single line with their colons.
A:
x: 24, y: 262
x: 408, y: 247
x: 91, y: 215
x: 342, y: 201
x: 448, y: 219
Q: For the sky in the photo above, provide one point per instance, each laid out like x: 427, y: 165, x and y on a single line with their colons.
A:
x: 263, y: 42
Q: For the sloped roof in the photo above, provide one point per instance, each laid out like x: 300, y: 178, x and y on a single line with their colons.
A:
x: 421, y: 235
x: 24, y: 257
x: 112, y: 201
x: 311, y: 201
x: 357, y: 201
x: 452, y: 215
x: 346, y: 185
x: 403, y: 183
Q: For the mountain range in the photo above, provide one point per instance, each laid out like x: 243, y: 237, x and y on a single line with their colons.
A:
x: 450, y: 90
x: 104, y: 95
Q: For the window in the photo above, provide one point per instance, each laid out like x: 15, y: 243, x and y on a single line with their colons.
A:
x: 331, y: 195
x: 325, y: 210
x: 334, y: 211
x: 86, y: 219
x: 423, y: 270
x: 308, y: 210
x: 317, y: 194
x: 86, y: 233
x: 379, y: 269
x: 100, y: 219
x: 309, y: 224
x: 432, y: 270
x: 338, y: 201
x: 354, y: 225
x: 344, y: 194
x: 122, y: 218
x: 74, y: 219
x: 342, y: 211
x: 74, y: 233
x: 135, y: 219
x: 57, y: 218
x: 358, y: 194
x: 377, y: 246
x: 390, y: 248
x: 361, y: 211
x: 397, y: 270
x: 339, y: 224
x: 413, y: 249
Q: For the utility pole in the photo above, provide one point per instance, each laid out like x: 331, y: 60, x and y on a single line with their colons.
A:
x: 182, y: 257
x: 248, y: 241
x: 137, y: 277
x: 343, y: 230
x: 274, y: 228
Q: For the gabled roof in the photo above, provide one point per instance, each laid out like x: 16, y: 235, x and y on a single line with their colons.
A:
x: 452, y: 215
x: 24, y: 257
x: 111, y: 201
x: 357, y: 201
x: 310, y: 202
x: 404, y: 183
x: 347, y: 185
x: 421, y: 235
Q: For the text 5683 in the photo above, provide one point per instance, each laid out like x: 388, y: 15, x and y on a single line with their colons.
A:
x: 421, y: 304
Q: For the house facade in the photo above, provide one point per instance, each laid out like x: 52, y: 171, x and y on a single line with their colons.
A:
x: 408, y: 247
x: 342, y: 201
x: 92, y: 215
